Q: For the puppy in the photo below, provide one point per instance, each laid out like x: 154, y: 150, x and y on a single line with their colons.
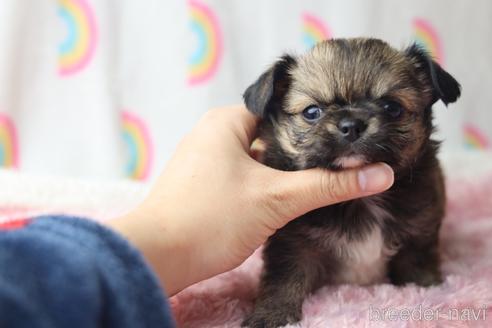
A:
x: 346, y: 103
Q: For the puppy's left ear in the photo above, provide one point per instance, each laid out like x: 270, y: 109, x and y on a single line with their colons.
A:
x: 445, y: 87
x: 269, y: 88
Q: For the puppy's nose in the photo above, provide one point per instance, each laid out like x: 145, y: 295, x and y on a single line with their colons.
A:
x: 351, y: 128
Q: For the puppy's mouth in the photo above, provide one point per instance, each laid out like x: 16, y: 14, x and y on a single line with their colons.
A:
x: 349, y: 162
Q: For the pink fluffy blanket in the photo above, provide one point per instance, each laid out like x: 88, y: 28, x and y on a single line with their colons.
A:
x: 463, y: 300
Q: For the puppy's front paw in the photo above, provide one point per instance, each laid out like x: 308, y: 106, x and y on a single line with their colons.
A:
x: 428, y: 278
x: 421, y: 277
x: 270, y: 320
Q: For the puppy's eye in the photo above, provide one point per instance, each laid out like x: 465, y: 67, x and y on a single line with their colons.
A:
x: 393, y: 109
x: 312, y: 113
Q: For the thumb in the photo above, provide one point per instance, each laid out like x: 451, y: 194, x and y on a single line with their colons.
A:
x: 299, y: 192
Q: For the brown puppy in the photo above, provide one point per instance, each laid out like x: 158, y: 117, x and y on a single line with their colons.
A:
x: 346, y: 103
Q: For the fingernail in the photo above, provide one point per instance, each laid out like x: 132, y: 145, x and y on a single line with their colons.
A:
x: 376, y: 178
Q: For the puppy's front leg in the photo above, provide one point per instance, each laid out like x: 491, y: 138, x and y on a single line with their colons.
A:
x: 418, y: 263
x: 291, y: 273
x: 280, y: 299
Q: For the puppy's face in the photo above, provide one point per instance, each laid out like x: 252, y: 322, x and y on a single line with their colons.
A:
x: 348, y: 102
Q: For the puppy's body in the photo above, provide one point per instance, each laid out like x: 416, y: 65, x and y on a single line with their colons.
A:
x: 392, y: 235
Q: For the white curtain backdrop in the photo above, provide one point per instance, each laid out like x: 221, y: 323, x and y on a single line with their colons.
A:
x: 106, y: 88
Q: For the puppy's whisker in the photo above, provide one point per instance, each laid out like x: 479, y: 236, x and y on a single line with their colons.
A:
x: 381, y: 146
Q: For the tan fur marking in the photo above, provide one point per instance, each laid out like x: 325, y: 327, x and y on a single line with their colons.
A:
x: 297, y: 102
x: 332, y: 128
x: 285, y: 141
x: 373, y: 126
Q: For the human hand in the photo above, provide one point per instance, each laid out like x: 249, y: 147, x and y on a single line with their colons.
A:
x: 214, y: 204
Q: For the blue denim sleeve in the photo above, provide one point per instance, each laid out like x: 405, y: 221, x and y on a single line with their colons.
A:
x: 63, y: 271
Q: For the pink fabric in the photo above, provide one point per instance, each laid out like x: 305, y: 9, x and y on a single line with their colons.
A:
x: 467, y: 266
x: 224, y: 300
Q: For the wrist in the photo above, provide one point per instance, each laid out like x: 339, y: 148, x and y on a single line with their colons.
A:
x: 164, y: 250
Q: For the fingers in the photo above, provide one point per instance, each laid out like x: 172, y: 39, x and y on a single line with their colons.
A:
x: 296, y: 193
x: 247, y: 122
x: 257, y: 150
x: 237, y: 119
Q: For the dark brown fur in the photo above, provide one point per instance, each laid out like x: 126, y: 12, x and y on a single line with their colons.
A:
x: 352, y: 78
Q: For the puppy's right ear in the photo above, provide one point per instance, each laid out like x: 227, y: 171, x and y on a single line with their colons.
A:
x: 270, y: 87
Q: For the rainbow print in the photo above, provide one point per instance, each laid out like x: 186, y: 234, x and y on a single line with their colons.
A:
x: 9, y: 151
x: 139, y: 145
x: 474, y: 138
x: 313, y: 30
x: 206, y: 57
x: 77, y: 48
x: 426, y: 36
